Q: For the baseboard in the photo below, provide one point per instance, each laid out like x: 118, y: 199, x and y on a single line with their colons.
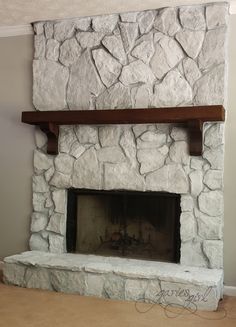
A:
x: 230, y: 290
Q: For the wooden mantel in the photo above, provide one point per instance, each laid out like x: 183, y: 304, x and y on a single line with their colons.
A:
x: 190, y: 117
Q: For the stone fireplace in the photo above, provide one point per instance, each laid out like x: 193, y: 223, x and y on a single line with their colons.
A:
x: 160, y: 58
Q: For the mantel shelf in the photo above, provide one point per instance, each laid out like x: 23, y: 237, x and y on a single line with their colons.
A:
x: 190, y: 117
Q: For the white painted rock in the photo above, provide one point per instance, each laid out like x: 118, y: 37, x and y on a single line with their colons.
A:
x: 49, y: 30
x: 76, y: 150
x: 66, y: 138
x: 68, y: 281
x: 186, y: 203
x: 70, y: 51
x: 57, y: 224
x: 150, y: 160
x: 116, y: 97
x: 151, y: 139
x: 167, y: 21
x: 215, y: 157
x: 56, y: 243
x: 64, y: 163
x: 105, y: 23
x: 63, y: 30
x: 213, y: 179
x: 42, y: 161
x: 214, y: 135
x: 111, y: 154
x: 209, y: 228
x: 89, y: 39
x: 211, y: 203
x: 136, y: 72
x: 191, y: 71
x: 39, y: 200
x: 59, y: 200
x: 129, y: 33
x: 177, y: 179
x: 114, y: 45
x: 144, y: 51
x: 141, y: 96
x: 114, y: 287
x: 39, y: 184
x: 179, y: 152
x: 135, y: 289
x: 87, y: 134
x: 145, y: 20
x: 60, y: 180
x: 127, y: 143
x: 82, y: 24
x: 216, y: 15
x: 109, y: 135
x: 39, y: 46
x: 38, y: 222
x: 196, y: 184
x: 38, y: 27
x: 52, y: 49
x: 214, y: 252
x: 37, y: 243
x: 188, y: 226
x: 192, y: 17
x: 129, y: 17
x: 191, y: 41
x: 179, y: 134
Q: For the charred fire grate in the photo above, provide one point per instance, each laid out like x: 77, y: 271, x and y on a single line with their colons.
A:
x: 142, y: 225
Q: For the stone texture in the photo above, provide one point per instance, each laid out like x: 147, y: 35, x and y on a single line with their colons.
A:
x: 87, y: 134
x: 167, y: 21
x: 141, y: 96
x: 89, y: 39
x: 49, y: 88
x: 215, y: 157
x: 129, y: 17
x: 213, y: 49
x: 213, y: 179
x: 109, y: 135
x: 38, y: 27
x: 14, y: 274
x: 114, y: 45
x: 144, y: 51
x: 172, y: 92
x: 66, y: 138
x: 49, y: 29
x: 214, y: 252
x: 179, y: 134
x: 196, y: 184
x: 42, y: 161
x: 111, y: 154
x: 59, y: 200
x: 52, y: 49
x: 57, y: 223
x: 129, y: 33
x: 192, y: 17
x: 136, y: 72
x: 191, y: 71
x: 214, y: 135
x: 87, y: 172
x: 150, y: 160
x: 83, y: 83
x: 105, y: 23
x: 60, y: 180
x: 216, y: 15
x: 38, y: 222
x: 188, y: 226
x: 37, y: 243
x: 56, y: 243
x: 116, y: 97
x: 211, y: 203
x: 37, y: 278
x: 39, y: 46
x: 82, y: 24
x: 209, y: 228
x: 114, y: 287
x: 109, y: 68
x: 191, y: 41
x: 40, y: 138
x: 192, y: 255
x: 179, y: 152
x: 39, y: 184
x: 39, y: 200
x: 145, y: 20
x: 150, y: 139
x: 64, y: 163
x: 186, y: 203
x: 196, y: 163
x: 167, y: 55
x: 76, y: 150
x: 210, y: 87
x: 135, y: 290
x: 94, y: 285
x: 152, y: 292
x: 127, y: 143
x: 63, y: 30
x: 68, y: 281
x: 70, y: 51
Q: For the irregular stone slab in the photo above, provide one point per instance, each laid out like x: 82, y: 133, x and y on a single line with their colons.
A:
x: 213, y: 49
x: 104, y: 23
x: 215, y: 157
x: 38, y: 222
x: 42, y: 161
x: 37, y: 243
x: 38, y: 27
x: 210, y: 87
x: 127, y: 142
x: 60, y: 180
x: 186, y: 203
x: 66, y: 138
x: 213, y: 179
x: 116, y: 97
x: 89, y: 39
x: 214, y: 135
x: 179, y: 152
x: 40, y: 138
x: 214, y: 252
x: 150, y: 160
x: 49, y: 30
x: 49, y: 173
x: 192, y: 17
x: 37, y: 278
x: 14, y: 274
x: 39, y: 184
x: 64, y: 163
x: 82, y: 24
x: 196, y: 184
x: 129, y: 17
x: 111, y: 154
x: 68, y: 281
x: 177, y: 179
x: 167, y: 55
x: 49, y: 88
x: 87, y: 172
x: 191, y: 71
x: 76, y: 150
x: 83, y: 83
x: 151, y: 139
x: 109, y: 135
x: 191, y: 41
x: 141, y: 96
x: 216, y: 15
x: 94, y: 285
x: 52, y: 49
x: 139, y: 129
x: 39, y: 200
x: 209, y: 228
x: 57, y: 223
x: 192, y: 255
x: 152, y: 292
x: 64, y: 30
x: 87, y: 134
x: 56, y: 243
x: 39, y: 46
x: 135, y: 289
x: 196, y: 163
x: 129, y: 33
x: 167, y: 21
x: 136, y: 72
x: 122, y: 176
x: 158, y: 180
x: 114, y: 45
x: 211, y: 203
x: 109, y: 68
x: 70, y: 51
x: 59, y: 200
x: 114, y: 287
x: 179, y: 134
x: 145, y: 20
x: 144, y: 51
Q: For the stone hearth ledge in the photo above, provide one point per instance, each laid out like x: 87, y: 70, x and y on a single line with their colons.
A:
x: 116, y: 278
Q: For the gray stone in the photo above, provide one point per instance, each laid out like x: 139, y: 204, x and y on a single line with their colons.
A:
x: 114, y: 287
x: 42, y: 161
x: 144, y: 51
x: 141, y: 96
x: 196, y: 163
x: 87, y: 134
x: 213, y: 49
x: 209, y: 228
x: 38, y: 222
x: 186, y: 203
x: 37, y: 278
x: 127, y: 142
x: 56, y: 243
x: 177, y: 179
x: 49, y: 173
x: 87, y: 172
x: 40, y: 138
x: 59, y: 200
x: 191, y: 41
x: 57, y: 223
x: 135, y: 289
x: 179, y: 152
x: 136, y: 72
x: 150, y: 160
x: 158, y: 180
x: 39, y: 184
x: 89, y: 39
x: 122, y: 176
x: 210, y: 87
x: 68, y: 281
x: 82, y: 24
x: 52, y: 49
x: 129, y: 33
x: 215, y: 157
x: 191, y: 71
x: 49, y: 30
x: 151, y: 139
x: 167, y: 21
x: 192, y: 255
x: 214, y: 252
x: 60, y: 180
x: 76, y: 150
x: 179, y: 134
x: 49, y: 88
x: 192, y: 17
x: 145, y: 20
x: 213, y: 179
x: 139, y: 129
x: 64, y: 163
x: 114, y: 45
x: 216, y: 15
x: 39, y: 200
x: 70, y: 51
x: 94, y: 285
x: 173, y: 91
x: 188, y: 226
x: 211, y: 203
x: 109, y: 135
x: 39, y: 46
x: 37, y: 243
x: 66, y: 138
x: 214, y: 135
x: 38, y: 27
x: 84, y: 82
x: 14, y: 274
x: 129, y: 17
x: 105, y: 23
x: 111, y: 154
x: 196, y: 184
x: 109, y: 68
x: 64, y: 30
x: 116, y: 97
x: 152, y: 293
x: 167, y: 55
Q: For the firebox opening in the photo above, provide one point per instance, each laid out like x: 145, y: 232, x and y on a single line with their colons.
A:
x: 141, y: 225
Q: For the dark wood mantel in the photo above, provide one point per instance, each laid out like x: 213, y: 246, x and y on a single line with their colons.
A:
x: 190, y: 117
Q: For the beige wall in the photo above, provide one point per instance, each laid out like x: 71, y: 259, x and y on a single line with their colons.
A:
x: 16, y: 145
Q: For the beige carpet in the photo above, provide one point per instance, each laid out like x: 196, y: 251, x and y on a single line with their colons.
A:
x: 27, y: 307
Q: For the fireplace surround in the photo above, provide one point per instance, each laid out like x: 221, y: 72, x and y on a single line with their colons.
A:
x: 167, y: 58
